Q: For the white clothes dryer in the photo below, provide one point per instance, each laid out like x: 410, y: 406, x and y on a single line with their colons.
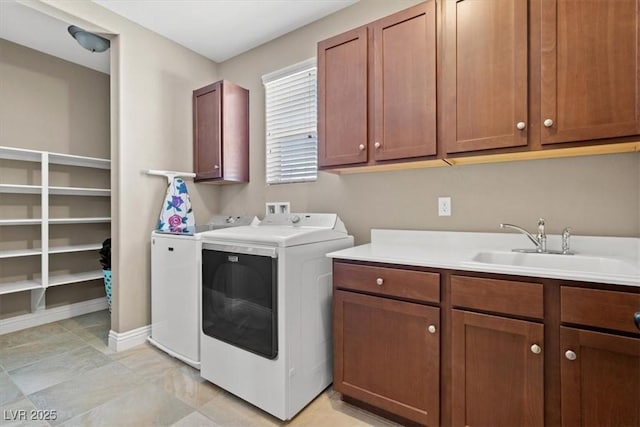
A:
x: 266, y: 309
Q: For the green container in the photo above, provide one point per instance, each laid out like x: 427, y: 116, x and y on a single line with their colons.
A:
x: 107, y: 286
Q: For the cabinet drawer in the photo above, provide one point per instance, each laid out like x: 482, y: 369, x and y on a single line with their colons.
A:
x: 409, y: 284
x: 599, y: 308
x: 499, y: 296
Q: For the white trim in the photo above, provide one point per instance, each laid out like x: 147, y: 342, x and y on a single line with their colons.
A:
x: 49, y: 315
x: 291, y: 69
x: 119, y: 341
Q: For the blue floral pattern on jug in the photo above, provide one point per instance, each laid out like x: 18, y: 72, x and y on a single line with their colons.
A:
x: 177, y: 215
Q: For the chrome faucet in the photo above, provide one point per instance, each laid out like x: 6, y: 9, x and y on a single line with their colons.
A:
x: 540, y: 240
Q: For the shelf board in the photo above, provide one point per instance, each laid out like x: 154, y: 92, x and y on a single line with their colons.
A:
x: 66, y: 279
x: 82, y: 161
x: 75, y: 248
x: 57, y: 191
x: 78, y: 220
x: 9, y: 153
x: 23, y: 285
x: 79, y: 191
x: 29, y: 221
x: 20, y: 189
x: 20, y: 253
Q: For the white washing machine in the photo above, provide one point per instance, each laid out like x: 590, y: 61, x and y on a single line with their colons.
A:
x: 175, y: 289
x: 266, y: 309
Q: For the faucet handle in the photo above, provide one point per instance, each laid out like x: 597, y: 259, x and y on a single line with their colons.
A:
x: 542, y: 237
x: 566, y: 234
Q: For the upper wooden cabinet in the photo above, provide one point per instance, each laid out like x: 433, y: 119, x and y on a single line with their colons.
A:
x: 343, y: 96
x: 377, y: 90
x: 584, y: 67
x: 590, y: 80
x: 404, y: 54
x: 485, y: 74
x: 221, y: 133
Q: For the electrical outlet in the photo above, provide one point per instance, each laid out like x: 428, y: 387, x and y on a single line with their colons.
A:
x: 444, y: 206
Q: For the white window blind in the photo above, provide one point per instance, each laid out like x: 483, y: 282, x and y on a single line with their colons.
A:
x: 291, y: 124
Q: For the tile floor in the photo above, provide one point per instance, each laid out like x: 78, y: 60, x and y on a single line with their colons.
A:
x: 67, y: 367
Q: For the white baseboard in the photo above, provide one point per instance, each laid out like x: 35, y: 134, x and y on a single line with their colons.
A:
x: 49, y: 315
x: 119, y: 341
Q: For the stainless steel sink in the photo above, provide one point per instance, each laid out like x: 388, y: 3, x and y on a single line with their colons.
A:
x: 581, y: 263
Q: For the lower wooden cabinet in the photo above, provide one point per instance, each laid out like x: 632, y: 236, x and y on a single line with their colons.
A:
x: 497, y: 371
x: 600, y: 379
x: 387, y: 353
x: 451, y: 348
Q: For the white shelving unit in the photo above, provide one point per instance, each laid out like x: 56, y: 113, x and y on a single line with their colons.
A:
x: 45, y: 158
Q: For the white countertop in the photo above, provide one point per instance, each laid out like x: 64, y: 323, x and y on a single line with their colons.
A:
x: 612, y: 260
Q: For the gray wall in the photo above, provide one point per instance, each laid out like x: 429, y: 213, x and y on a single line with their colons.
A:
x: 52, y: 105
x: 596, y: 195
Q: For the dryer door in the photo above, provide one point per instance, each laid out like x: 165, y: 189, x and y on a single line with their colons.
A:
x: 239, y: 300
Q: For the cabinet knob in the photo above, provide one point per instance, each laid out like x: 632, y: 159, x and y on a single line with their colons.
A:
x: 536, y: 349
x: 548, y: 123
x: 377, y: 144
x: 431, y: 329
x: 216, y: 167
x: 361, y: 147
x: 636, y: 319
x: 521, y: 125
x: 379, y: 281
x: 570, y: 355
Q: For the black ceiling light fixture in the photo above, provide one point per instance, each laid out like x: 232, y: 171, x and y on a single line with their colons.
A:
x: 89, y: 41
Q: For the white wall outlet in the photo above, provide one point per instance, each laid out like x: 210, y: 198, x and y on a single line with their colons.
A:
x: 278, y: 208
x: 444, y: 206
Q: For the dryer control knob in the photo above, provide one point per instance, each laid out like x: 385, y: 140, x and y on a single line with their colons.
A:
x: 295, y: 219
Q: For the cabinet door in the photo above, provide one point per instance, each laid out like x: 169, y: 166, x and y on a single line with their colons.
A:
x: 497, y: 377
x: 590, y: 79
x: 343, y: 99
x: 385, y: 354
x: 485, y: 74
x: 405, y: 83
x: 601, y: 385
x: 207, y: 135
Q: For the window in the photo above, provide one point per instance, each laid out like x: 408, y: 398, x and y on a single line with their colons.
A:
x: 291, y: 116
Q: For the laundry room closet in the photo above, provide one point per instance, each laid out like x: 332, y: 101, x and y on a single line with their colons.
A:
x: 55, y: 197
